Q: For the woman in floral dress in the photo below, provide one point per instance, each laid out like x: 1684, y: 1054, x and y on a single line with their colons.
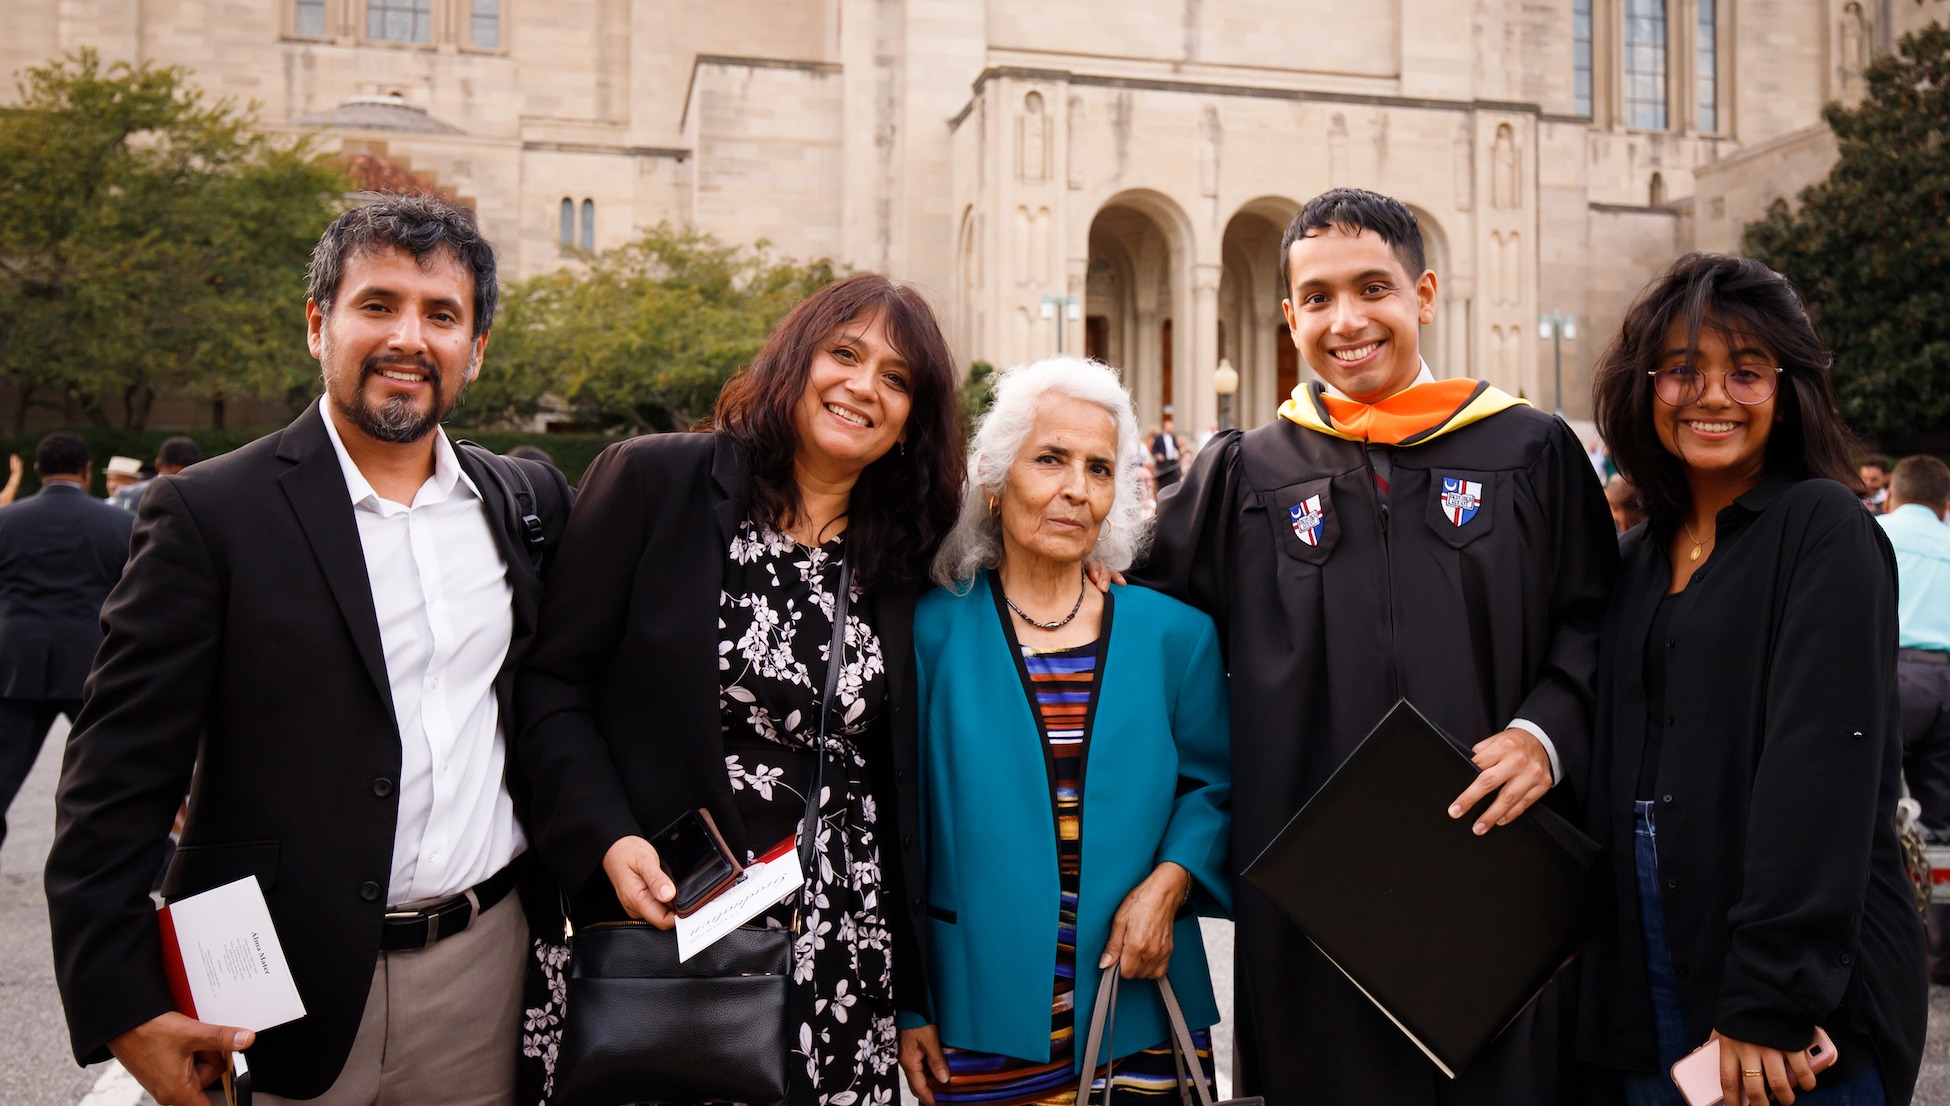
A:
x: 681, y: 662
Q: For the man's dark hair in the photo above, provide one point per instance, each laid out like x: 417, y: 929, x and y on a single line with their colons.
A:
x: 424, y: 226
x: 1351, y: 211
x: 61, y: 454
x: 1921, y: 479
x: 1747, y: 303
x: 1874, y: 461
x: 178, y: 452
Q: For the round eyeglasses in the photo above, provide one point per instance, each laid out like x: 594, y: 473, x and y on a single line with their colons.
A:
x: 1748, y: 384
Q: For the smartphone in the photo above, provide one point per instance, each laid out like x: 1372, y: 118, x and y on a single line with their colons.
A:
x: 696, y: 859
x: 1698, y: 1075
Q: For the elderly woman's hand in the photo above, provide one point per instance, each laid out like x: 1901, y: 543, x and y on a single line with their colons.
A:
x: 922, y: 1062
x: 1140, y: 934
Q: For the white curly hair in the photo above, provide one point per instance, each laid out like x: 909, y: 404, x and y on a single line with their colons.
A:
x: 976, y: 541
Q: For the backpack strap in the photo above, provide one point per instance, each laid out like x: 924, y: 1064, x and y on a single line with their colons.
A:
x: 518, y: 493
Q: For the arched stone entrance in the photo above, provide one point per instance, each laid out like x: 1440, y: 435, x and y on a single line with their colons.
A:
x: 1252, y: 331
x: 1137, y: 302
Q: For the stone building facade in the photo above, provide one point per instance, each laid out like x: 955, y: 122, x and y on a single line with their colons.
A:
x: 1098, y: 176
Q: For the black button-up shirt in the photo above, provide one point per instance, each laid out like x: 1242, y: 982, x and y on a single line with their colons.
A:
x: 1785, y: 901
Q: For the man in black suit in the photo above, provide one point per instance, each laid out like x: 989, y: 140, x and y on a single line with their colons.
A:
x: 60, y: 551
x: 325, y: 624
x: 1164, y: 454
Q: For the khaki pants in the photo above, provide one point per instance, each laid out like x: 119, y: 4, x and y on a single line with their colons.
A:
x: 442, y: 1023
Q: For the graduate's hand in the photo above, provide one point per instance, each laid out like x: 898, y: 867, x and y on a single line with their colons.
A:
x: 1514, y: 765
x: 1140, y: 933
x: 641, y: 885
x: 1102, y: 578
x: 1760, y: 1071
x: 922, y: 1062
x: 175, y: 1056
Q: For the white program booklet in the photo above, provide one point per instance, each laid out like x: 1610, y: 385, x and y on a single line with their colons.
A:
x: 771, y: 878
x: 223, y: 959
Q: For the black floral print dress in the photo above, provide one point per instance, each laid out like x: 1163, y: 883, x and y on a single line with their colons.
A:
x: 775, y: 626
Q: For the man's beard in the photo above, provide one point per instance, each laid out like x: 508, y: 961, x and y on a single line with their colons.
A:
x: 397, y: 419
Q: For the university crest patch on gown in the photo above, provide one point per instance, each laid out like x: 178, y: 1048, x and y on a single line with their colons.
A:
x: 1461, y: 499
x: 1307, y: 518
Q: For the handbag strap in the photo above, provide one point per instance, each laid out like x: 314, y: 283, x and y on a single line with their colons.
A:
x: 835, y: 658
x: 1103, y: 1036
x: 1103, y: 1023
x: 1183, y: 1048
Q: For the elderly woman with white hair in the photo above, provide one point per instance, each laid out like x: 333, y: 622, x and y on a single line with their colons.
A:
x: 1074, y: 784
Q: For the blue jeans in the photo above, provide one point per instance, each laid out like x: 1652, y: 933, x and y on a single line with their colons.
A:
x: 1864, y: 1089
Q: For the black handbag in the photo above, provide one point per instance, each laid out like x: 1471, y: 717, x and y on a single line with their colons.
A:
x: 641, y: 1026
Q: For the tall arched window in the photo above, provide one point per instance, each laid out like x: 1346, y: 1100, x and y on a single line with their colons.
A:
x: 1645, y: 64
x: 567, y: 236
x: 589, y: 225
x: 484, y: 24
x: 1581, y: 56
x: 1708, y: 58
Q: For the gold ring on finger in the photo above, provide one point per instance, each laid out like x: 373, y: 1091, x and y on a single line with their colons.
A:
x: 1752, y: 1073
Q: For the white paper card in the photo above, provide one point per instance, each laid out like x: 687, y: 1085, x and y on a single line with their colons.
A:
x: 763, y: 885
x: 231, y: 959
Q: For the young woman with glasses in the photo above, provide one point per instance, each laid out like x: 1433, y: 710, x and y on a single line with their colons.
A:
x: 1746, y: 767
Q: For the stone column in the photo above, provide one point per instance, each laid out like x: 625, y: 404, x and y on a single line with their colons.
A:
x: 1202, y: 401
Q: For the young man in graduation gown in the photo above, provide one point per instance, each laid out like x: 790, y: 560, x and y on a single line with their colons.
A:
x: 1389, y: 536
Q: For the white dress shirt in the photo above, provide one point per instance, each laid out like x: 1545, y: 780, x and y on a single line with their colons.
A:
x: 446, y: 614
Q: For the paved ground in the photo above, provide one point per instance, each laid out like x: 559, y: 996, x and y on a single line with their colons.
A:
x: 36, y: 1068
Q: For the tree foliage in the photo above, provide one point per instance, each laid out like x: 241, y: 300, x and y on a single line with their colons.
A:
x: 1869, y: 245
x: 151, y: 241
x: 642, y: 337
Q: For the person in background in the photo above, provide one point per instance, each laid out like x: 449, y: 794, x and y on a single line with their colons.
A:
x: 1624, y: 501
x: 1873, y: 473
x: 1039, y: 878
x: 1165, y: 451
x: 121, y: 474
x: 61, y: 550
x: 173, y: 456
x: 1600, y: 458
x: 12, y: 486
x: 1747, y: 762
x: 1919, y: 496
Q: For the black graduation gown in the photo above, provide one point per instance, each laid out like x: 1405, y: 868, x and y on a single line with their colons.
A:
x: 1476, y: 624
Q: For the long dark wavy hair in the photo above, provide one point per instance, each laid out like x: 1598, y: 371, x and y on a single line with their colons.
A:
x: 1740, y: 298
x: 905, y: 502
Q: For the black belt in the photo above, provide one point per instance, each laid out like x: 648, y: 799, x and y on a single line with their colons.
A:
x: 416, y: 929
x: 1923, y: 656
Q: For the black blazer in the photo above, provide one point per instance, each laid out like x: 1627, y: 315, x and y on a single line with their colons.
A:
x: 243, y: 641
x: 620, y: 727
x: 1786, y: 905
x: 61, y: 550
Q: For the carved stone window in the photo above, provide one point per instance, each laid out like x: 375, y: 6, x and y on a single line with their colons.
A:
x: 400, y: 20
x: 1645, y: 64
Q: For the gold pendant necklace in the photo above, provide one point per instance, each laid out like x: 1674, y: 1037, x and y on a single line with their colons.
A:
x: 1696, y: 542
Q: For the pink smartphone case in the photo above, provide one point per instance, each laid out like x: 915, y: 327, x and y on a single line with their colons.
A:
x: 1698, y: 1075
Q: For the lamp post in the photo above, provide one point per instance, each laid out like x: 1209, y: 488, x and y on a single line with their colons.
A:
x: 1226, y: 382
x: 1559, y: 328
x: 1071, y: 310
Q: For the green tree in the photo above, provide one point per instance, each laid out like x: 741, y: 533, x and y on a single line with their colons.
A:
x: 642, y: 337
x: 150, y: 242
x: 1868, y: 245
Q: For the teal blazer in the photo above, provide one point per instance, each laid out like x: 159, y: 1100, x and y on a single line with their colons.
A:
x: 1156, y: 787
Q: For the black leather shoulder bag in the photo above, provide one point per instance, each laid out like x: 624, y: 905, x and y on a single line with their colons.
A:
x: 641, y: 1026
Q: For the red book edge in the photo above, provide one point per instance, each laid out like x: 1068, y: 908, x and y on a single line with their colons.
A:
x: 179, y: 980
